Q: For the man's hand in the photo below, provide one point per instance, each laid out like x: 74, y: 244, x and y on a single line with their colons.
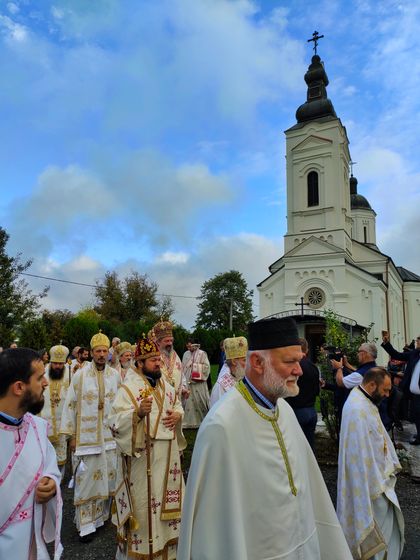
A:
x: 45, y: 490
x: 72, y: 444
x: 385, y: 338
x: 171, y: 419
x: 322, y: 382
x: 145, y: 407
x: 337, y: 365
x: 185, y: 393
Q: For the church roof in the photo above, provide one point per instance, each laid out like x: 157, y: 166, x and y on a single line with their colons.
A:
x: 407, y: 275
x: 317, y: 104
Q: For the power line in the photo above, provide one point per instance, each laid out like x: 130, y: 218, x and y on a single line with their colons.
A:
x: 94, y: 285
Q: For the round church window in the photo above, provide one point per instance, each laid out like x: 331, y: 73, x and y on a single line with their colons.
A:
x: 315, y: 297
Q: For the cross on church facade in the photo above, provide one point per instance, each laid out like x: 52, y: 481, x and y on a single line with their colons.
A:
x: 301, y: 305
x: 351, y: 166
x: 315, y: 38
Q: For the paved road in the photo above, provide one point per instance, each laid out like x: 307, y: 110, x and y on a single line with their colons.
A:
x: 103, y: 547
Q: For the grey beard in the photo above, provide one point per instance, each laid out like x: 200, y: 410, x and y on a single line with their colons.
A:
x: 125, y: 365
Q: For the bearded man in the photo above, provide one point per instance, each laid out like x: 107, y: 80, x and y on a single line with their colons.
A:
x: 367, y: 504
x: 124, y: 358
x: 146, y: 399
x: 85, y: 420
x: 171, y: 368
x: 270, y: 500
x: 30, y: 512
x: 82, y: 358
x: 233, y: 369
x: 57, y: 373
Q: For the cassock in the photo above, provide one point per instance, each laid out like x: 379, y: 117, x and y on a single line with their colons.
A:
x: 367, y: 505
x: 167, y: 484
x: 55, y: 396
x: 254, y: 489
x: 25, y: 526
x: 85, y: 414
x: 196, y: 371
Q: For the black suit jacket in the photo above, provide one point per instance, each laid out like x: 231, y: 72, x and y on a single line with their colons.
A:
x: 411, y: 357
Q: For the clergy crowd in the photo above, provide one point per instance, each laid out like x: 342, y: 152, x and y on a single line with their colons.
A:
x: 254, y: 488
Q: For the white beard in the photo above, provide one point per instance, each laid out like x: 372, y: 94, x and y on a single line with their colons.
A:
x: 276, y: 387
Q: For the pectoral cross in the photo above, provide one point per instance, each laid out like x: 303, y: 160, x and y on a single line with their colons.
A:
x: 315, y: 38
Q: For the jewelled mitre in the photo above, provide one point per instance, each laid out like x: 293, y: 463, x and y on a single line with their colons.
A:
x: 235, y: 347
x: 146, y: 348
x: 162, y: 330
x: 59, y: 353
x: 99, y: 339
x: 123, y: 347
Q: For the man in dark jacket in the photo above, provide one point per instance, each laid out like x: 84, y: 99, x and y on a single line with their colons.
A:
x: 304, y: 403
x: 410, y: 383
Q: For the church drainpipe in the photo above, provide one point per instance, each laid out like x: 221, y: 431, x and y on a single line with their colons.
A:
x: 404, y: 317
x: 386, y: 295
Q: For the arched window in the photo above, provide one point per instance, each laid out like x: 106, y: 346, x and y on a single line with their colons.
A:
x: 313, y: 191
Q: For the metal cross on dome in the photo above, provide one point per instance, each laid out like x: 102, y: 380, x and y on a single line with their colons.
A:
x: 315, y: 38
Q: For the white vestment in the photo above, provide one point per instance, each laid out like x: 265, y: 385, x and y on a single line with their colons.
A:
x: 25, y: 526
x: 254, y: 489
x: 367, y: 505
x: 85, y: 417
x: 198, y: 403
x: 55, y: 396
x: 167, y: 484
x: 224, y: 383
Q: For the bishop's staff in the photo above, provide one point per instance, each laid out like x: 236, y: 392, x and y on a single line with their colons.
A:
x: 145, y: 393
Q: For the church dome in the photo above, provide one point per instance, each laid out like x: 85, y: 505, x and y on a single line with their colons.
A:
x: 317, y: 104
x: 359, y: 201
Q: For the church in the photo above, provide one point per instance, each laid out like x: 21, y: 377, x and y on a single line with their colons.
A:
x: 331, y: 259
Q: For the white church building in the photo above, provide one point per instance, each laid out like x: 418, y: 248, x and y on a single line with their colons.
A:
x: 331, y: 259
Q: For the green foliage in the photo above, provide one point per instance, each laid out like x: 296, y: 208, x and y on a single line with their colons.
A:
x: 80, y: 329
x: 129, y: 300
x: 223, y: 296
x: 55, y: 322
x: 338, y: 336
x: 33, y: 334
x: 17, y: 303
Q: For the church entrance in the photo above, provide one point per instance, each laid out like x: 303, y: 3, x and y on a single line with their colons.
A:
x: 315, y: 335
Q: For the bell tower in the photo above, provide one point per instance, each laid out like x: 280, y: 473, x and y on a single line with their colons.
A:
x: 317, y: 163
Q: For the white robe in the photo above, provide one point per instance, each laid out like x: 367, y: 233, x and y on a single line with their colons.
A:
x: 198, y: 403
x: 367, y: 505
x: 225, y: 382
x: 167, y: 484
x: 26, y: 526
x: 55, y: 396
x: 240, y: 501
x: 94, y: 462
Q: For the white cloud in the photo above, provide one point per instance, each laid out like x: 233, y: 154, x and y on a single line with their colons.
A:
x: 12, y: 30
x: 173, y: 258
x: 13, y: 8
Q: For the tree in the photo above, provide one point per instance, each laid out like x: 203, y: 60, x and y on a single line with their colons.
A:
x: 225, y: 303
x: 80, y: 328
x: 131, y: 299
x: 17, y: 302
x: 33, y: 334
x: 55, y: 322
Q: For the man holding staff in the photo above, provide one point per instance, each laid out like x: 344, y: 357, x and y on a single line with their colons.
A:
x: 150, y: 485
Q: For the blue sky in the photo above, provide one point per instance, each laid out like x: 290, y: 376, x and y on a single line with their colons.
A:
x: 148, y: 135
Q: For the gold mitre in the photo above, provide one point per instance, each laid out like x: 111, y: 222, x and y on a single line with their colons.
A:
x: 59, y: 353
x: 146, y: 348
x: 162, y: 330
x: 99, y: 339
x: 235, y: 347
x: 123, y: 347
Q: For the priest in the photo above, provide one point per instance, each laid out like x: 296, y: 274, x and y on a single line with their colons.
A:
x: 196, y: 370
x: 85, y: 421
x: 143, y: 421
x: 270, y: 500
x: 30, y: 511
x: 367, y: 505
x: 233, y: 369
x: 57, y: 373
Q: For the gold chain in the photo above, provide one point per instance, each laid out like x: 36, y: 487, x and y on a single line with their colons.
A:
x: 273, y: 421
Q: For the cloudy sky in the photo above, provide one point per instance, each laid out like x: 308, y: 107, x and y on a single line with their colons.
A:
x: 148, y: 135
